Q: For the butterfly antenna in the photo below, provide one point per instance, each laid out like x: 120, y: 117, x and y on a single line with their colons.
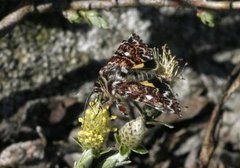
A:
x: 87, y: 100
x: 86, y: 104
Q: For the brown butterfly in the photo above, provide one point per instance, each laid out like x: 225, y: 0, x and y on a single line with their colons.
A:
x: 130, y: 75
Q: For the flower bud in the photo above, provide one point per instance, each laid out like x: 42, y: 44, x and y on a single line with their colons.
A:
x: 132, y: 133
x: 95, y: 126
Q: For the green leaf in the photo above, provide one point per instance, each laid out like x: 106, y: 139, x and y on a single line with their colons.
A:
x: 124, y: 150
x: 209, y: 18
x: 94, y: 18
x: 123, y: 163
x: 109, y: 163
x: 117, y: 139
x: 105, y: 151
x: 72, y: 16
x: 85, y: 160
x: 115, y: 160
x: 140, y: 150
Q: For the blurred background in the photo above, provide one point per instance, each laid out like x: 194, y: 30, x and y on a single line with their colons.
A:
x: 48, y: 67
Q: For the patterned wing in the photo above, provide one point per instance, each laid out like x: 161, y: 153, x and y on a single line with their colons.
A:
x: 154, y: 93
x: 130, y: 54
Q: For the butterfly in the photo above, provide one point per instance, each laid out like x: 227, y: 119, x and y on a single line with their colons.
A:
x: 131, y: 74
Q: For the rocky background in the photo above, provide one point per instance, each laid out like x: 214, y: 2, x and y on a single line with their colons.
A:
x: 48, y: 67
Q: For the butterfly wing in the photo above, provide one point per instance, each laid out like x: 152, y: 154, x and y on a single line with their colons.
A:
x: 160, y: 98
x: 130, y: 54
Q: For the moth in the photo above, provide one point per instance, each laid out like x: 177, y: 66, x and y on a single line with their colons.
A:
x: 131, y: 74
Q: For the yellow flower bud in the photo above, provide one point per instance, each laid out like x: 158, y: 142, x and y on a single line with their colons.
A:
x: 95, y: 126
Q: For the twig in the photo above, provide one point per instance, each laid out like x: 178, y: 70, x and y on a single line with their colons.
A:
x: 16, y: 16
x: 210, y: 138
x: 215, y: 5
x: 19, y: 14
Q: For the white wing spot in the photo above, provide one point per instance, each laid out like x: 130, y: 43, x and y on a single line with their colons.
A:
x: 166, y: 94
x: 149, y: 97
x: 123, y: 69
x: 127, y: 54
